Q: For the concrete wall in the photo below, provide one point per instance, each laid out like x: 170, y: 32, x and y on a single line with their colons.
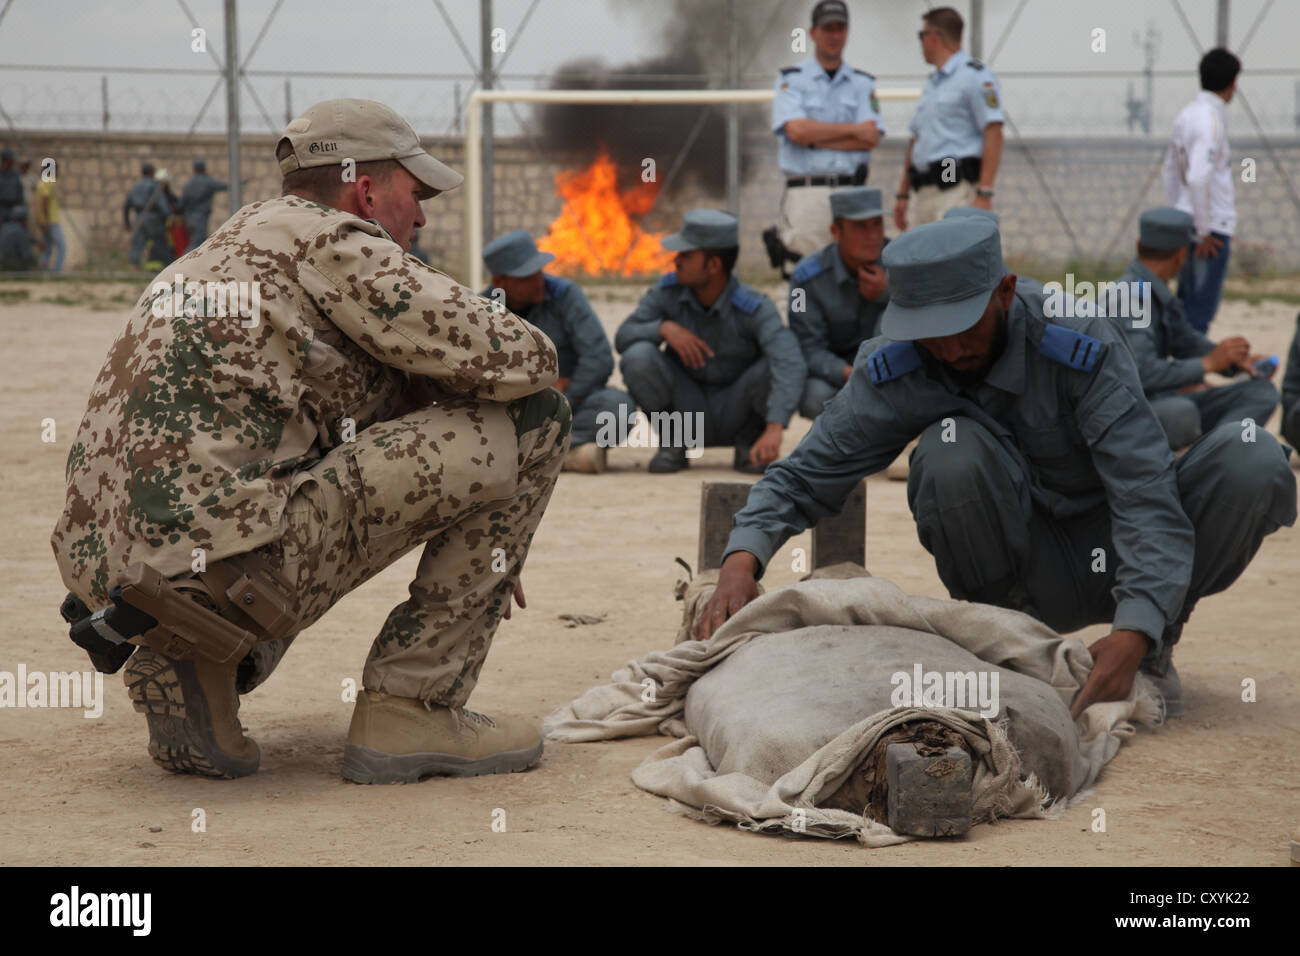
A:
x: 1099, y: 187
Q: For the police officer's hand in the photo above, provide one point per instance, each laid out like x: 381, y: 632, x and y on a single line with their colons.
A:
x: 562, y: 384
x: 1227, y: 354
x: 848, y: 372
x: 1253, y: 361
x: 1115, y: 660
x: 1207, y: 247
x: 871, y: 281
x: 768, y: 446
x: 982, y: 202
x: 900, y: 214
x: 690, y: 348
x: 736, y: 588
x: 518, y: 596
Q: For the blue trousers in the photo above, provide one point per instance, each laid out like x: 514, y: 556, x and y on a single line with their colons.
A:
x: 1186, y: 417
x: 734, y: 413
x: 586, y: 416
x: 992, y: 544
x: 816, y: 393
x: 1200, y: 284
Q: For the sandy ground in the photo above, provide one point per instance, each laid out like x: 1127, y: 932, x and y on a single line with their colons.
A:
x: 1217, y: 787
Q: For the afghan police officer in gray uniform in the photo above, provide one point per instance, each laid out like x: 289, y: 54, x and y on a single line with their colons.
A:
x: 16, y: 252
x: 956, y: 144
x: 827, y: 120
x: 196, y: 202
x: 838, y: 294
x: 560, y: 309
x: 136, y: 199
x: 1172, y: 357
x: 731, y: 368
x: 1042, y: 481
x: 1291, y: 392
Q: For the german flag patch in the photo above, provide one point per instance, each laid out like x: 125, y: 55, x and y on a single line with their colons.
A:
x: 991, y: 95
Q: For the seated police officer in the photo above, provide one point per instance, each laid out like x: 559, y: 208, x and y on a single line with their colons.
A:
x: 1172, y: 357
x: 560, y: 309
x: 730, y: 363
x: 1291, y: 393
x: 1042, y: 481
x: 838, y: 293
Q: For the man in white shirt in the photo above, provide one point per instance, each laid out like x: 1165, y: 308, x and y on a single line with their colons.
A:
x: 1198, y: 180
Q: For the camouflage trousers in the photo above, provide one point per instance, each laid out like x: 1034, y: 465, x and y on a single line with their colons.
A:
x: 469, y: 481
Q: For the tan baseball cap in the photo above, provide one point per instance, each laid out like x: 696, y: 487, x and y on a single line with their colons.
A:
x: 363, y: 131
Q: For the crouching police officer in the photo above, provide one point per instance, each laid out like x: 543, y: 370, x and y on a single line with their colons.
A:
x: 560, y: 309
x: 838, y: 294
x: 1036, y: 449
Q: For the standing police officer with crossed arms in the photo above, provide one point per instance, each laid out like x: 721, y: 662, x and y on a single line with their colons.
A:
x: 827, y: 120
x: 956, y: 144
x: 1037, y: 448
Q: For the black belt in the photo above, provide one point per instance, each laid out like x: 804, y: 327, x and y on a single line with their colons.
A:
x: 967, y: 170
x: 857, y: 179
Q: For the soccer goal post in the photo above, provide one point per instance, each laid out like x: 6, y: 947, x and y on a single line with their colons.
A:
x: 474, y: 136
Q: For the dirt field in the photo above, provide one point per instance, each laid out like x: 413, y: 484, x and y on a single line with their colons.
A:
x: 1217, y: 787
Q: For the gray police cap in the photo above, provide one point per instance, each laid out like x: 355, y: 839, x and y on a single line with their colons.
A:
x: 1166, y: 228
x: 704, y: 229
x: 514, y: 254
x: 857, y: 202
x: 941, y: 276
x: 974, y: 212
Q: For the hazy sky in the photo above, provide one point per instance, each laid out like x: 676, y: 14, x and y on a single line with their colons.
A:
x: 330, y: 37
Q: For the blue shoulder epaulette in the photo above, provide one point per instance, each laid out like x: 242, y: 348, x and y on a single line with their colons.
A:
x: 1069, y: 347
x: 785, y: 71
x: 806, y: 269
x: 746, y: 302
x: 865, y: 73
x: 895, y: 359
x: 974, y: 64
x: 556, y: 287
x: 667, y: 279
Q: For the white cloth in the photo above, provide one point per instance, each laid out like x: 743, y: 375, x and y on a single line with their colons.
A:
x: 759, y: 791
x: 1198, y: 171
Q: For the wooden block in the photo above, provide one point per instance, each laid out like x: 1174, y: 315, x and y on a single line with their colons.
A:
x: 843, y: 537
x: 928, y: 796
x: 719, y: 502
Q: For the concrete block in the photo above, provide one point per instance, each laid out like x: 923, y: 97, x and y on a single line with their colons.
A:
x: 719, y: 502
x: 843, y: 537
x: 928, y: 796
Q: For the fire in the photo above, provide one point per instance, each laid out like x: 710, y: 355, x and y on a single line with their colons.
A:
x: 596, y: 232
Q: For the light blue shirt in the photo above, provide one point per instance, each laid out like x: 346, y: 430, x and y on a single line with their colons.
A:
x: 959, y: 100
x: 806, y: 92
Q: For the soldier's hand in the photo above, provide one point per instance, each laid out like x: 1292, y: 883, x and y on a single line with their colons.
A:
x: 871, y: 281
x: 1228, y: 353
x: 900, y: 214
x: 736, y: 588
x: 518, y: 596
x: 1115, y: 660
x: 768, y: 446
x: 690, y: 348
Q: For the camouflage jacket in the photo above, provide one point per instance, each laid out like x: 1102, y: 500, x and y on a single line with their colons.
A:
x: 198, y: 422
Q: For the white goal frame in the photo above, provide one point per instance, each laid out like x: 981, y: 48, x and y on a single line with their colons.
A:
x: 474, y: 136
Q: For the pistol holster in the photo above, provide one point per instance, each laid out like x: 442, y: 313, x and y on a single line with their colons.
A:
x: 217, y: 614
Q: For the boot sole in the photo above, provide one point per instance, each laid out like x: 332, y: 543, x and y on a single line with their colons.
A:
x: 367, y: 765
x: 180, y: 726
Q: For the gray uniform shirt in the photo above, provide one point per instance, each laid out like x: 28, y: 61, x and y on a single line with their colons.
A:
x: 137, y: 197
x: 835, y: 319
x: 1066, y: 394
x: 1291, y: 381
x: 196, y: 197
x: 1168, y: 350
x: 569, y: 321
x: 741, y: 327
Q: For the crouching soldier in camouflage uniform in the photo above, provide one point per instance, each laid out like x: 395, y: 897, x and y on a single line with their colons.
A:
x: 370, y: 405
x: 838, y: 294
x: 560, y: 309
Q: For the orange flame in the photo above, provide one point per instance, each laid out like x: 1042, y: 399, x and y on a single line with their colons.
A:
x: 595, y: 232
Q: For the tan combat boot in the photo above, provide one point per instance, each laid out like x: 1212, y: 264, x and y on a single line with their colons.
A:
x: 400, y: 740
x: 192, y: 708
x: 587, y: 458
